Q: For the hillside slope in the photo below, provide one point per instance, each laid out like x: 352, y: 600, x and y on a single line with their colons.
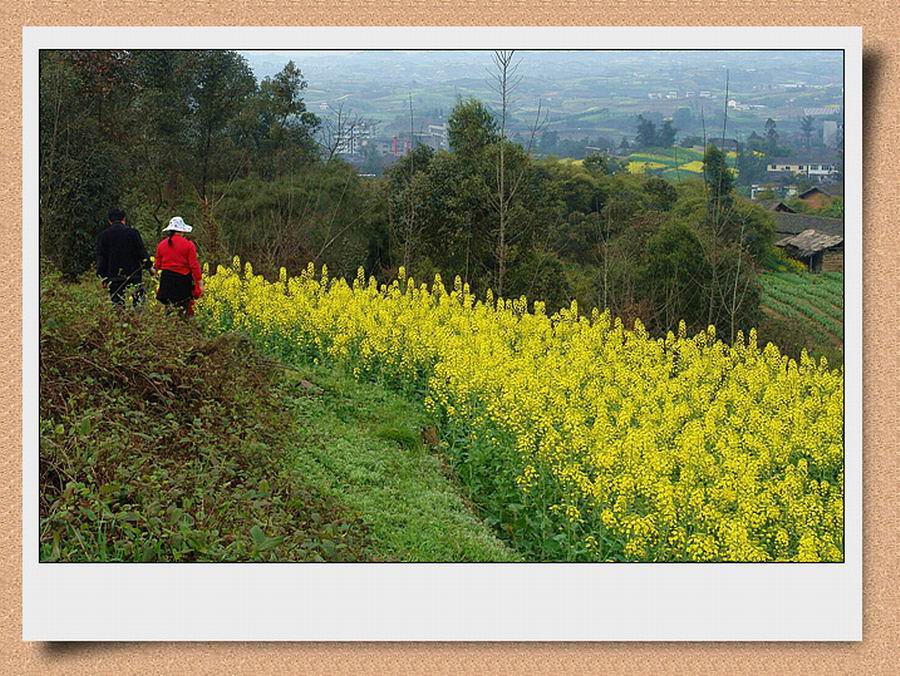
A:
x: 161, y: 443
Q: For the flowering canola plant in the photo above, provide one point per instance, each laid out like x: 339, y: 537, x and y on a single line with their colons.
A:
x: 584, y: 439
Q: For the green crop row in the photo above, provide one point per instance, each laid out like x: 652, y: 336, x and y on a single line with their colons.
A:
x: 826, y: 305
x: 815, y: 299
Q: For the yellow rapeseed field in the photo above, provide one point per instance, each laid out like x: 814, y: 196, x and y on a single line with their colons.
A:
x: 640, y: 166
x: 584, y: 439
x: 695, y: 167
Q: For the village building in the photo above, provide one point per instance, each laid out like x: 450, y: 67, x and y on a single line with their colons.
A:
x: 775, y: 204
x: 817, y: 198
x: 819, y: 251
x: 812, y: 166
x: 763, y: 191
x: 790, y: 223
x: 815, y: 240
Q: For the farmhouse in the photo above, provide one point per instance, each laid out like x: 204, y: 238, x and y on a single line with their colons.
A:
x: 819, y: 251
x: 759, y: 190
x: 817, y: 198
x: 812, y: 166
x: 789, y: 223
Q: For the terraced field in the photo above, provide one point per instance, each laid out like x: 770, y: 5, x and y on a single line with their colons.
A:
x: 814, y: 301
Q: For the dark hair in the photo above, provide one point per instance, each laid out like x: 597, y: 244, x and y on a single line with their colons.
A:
x: 116, y: 215
x: 171, y: 235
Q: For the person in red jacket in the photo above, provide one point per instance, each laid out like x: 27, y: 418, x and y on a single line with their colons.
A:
x: 180, y: 279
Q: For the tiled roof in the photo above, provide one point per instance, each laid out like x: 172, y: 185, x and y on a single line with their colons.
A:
x: 814, y: 189
x: 793, y: 224
x: 774, y: 204
x: 810, y: 242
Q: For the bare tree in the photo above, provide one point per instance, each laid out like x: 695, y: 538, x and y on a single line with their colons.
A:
x: 714, y: 292
x: 405, y: 222
x: 724, y: 150
x: 337, y: 131
x: 719, y: 222
x: 410, y: 224
x: 603, y: 246
x: 506, y: 79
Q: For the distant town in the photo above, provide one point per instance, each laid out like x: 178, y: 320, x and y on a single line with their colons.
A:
x: 592, y: 102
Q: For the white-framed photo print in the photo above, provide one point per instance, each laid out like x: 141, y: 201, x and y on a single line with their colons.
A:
x: 442, y: 334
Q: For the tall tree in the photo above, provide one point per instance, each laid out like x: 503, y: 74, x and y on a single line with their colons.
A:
x: 222, y: 85
x: 77, y: 178
x: 549, y: 142
x: 771, y: 137
x: 666, y: 137
x: 164, y: 138
x: 287, y: 128
x: 683, y: 118
x: 646, y: 133
x: 408, y: 206
x: 506, y: 79
x: 807, y: 124
x: 719, y: 182
x: 471, y: 128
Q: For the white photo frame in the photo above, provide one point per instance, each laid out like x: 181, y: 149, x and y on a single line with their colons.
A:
x: 447, y: 602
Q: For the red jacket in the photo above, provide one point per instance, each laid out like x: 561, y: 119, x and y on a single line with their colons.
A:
x: 180, y: 256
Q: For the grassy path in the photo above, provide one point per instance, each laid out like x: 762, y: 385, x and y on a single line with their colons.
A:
x: 361, y: 444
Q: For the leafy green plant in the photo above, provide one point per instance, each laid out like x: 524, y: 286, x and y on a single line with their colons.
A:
x: 804, y: 311
x: 160, y: 444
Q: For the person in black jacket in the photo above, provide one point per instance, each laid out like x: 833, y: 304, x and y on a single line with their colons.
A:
x: 122, y: 259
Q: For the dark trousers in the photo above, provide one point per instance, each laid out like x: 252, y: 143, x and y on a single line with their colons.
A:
x: 120, y: 287
x: 176, y: 292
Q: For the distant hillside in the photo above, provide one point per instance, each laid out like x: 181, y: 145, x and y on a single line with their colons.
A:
x: 584, y: 93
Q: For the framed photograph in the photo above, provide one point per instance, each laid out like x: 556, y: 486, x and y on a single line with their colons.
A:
x: 442, y: 334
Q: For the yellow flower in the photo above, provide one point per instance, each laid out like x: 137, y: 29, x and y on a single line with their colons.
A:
x: 681, y: 448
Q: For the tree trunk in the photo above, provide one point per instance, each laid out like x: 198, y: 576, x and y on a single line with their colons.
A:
x: 504, y: 59
x: 205, y: 171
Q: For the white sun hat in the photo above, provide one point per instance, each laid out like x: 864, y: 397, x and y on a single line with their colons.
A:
x: 178, y: 225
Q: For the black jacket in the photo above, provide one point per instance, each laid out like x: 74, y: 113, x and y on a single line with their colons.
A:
x: 121, y: 253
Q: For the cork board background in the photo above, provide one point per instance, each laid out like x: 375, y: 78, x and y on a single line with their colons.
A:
x: 878, y: 653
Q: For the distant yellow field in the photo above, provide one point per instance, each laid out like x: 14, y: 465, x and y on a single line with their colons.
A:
x: 641, y: 167
x: 695, y: 167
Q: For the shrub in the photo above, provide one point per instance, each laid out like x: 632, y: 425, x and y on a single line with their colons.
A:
x: 159, y: 444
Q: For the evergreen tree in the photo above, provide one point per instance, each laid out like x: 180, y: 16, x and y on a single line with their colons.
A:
x: 771, y: 137
x: 646, y: 133
x: 666, y: 138
x: 806, y: 126
x: 719, y: 182
x: 471, y: 128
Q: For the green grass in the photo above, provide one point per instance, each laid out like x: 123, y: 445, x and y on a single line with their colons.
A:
x: 161, y: 444
x: 214, y: 451
x: 361, y: 445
